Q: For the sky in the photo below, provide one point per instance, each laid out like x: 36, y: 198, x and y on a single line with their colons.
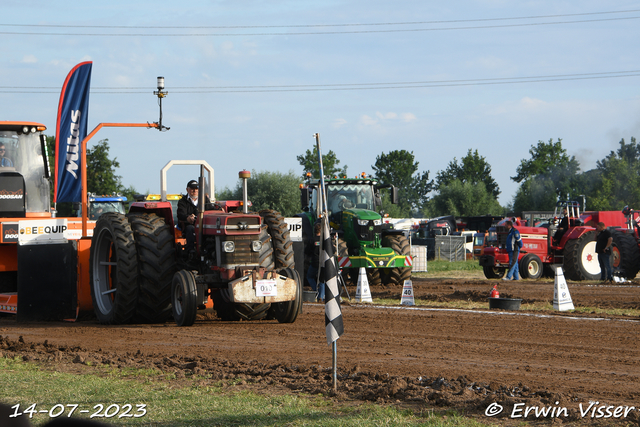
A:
x: 250, y: 82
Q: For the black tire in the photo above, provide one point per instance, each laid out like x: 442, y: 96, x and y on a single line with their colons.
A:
x: 287, y: 312
x: 493, y: 272
x: 280, y: 240
x: 156, y: 266
x: 223, y: 306
x: 530, y: 267
x: 580, y: 258
x: 400, y: 245
x: 113, y: 270
x: 184, y: 296
x: 626, y: 255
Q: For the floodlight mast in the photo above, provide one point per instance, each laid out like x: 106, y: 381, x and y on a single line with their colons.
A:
x: 160, y: 93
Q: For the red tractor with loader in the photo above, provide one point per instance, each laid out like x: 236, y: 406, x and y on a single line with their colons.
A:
x: 243, y: 264
x: 574, y: 250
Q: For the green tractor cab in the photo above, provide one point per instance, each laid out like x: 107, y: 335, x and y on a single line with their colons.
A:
x: 363, y: 240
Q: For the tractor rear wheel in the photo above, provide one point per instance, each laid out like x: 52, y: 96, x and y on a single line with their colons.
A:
x: 287, y: 312
x: 627, y: 263
x: 400, y: 245
x: 530, y: 267
x: 184, y: 294
x: 156, y: 266
x: 580, y: 258
x: 280, y: 240
x: 113, y: 270
x: 493, y: 272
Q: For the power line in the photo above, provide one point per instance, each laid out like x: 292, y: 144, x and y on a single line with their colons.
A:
x: 479, y: 27
x: 320, y: 25
x: 338, y: 86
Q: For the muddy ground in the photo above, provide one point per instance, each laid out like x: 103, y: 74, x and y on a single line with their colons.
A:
x: 472, y: 360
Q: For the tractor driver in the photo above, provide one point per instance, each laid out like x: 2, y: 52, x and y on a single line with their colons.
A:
x: 562, y: 228
x: 188, y: 213
x: 4, y: 161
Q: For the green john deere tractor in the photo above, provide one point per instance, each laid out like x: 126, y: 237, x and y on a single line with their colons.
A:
x: 364, y: 240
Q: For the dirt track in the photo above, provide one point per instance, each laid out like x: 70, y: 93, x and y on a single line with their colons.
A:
x: 418, y: 357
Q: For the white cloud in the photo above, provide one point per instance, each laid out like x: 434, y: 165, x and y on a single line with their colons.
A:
x: 368, y: 121
x: 338, y: 123
x: 29, y: 59
x: 408, y: 117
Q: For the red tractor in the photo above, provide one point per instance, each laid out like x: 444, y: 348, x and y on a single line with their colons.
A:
x: 243, y: 263
x: 574, y: 250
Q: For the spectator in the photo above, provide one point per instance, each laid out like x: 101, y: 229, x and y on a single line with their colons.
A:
x: 603, y: 249
x: 514, y: 243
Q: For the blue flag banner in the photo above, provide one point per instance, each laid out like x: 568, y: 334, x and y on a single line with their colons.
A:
x: 332, y: 311
x: 71, y: 129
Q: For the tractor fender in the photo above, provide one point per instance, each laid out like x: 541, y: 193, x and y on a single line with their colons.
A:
x: 576, y: 232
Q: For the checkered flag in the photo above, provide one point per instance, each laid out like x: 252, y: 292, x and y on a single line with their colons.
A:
x: 332, y: 310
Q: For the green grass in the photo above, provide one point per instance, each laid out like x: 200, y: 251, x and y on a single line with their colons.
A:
x: 195, y: 402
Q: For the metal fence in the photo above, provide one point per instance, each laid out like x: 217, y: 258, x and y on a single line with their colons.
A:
x: 419, y: 255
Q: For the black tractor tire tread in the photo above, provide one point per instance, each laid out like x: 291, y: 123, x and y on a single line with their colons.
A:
x: 156, y: 265
x: 629, y: 254
x: 123, y: 304
x: 281, y: 241
x: 287, y: 312
x: 184, y: 294
x: 400, y: 245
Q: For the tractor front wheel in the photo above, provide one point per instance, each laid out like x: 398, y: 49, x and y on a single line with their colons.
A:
x: 530, y: 266
x: 184, y: 294
x: 401, y: 246
x: 113, y: 270
x: 493, y: 272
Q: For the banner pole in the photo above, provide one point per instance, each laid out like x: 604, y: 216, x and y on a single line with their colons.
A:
x: 334, y: 347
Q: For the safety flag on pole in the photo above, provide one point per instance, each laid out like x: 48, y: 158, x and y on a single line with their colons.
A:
x: 71, y: 129
x: 332, y: 310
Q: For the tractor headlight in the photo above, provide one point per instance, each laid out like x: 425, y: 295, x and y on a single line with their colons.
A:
x: 256, y: 245
x: 377, y: 222
x: 363, y: 222
x: 228, y: 246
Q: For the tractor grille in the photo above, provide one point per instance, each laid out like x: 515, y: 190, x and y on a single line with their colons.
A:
x: 243, y: 254
x: 366, y: 232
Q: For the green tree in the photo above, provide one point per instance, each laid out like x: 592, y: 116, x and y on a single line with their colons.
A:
x: 617, y: 181
x: 472, y: 169
x: 269, y: 190
x: 550, y: 163
x: 400, y: 169
x: 330, y: 162
x: 464, y: 199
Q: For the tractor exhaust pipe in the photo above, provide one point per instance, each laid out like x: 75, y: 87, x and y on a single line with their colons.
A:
x: 244, y: 175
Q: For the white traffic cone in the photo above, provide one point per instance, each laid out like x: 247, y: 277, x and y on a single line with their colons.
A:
x: 363, y: 293
x: 407, y: 294
x: 561, y: 296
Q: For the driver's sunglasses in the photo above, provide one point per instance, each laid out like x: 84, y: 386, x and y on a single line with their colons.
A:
x: 2, y: 149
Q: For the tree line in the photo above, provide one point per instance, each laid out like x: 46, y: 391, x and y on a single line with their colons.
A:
x: 464, y: 187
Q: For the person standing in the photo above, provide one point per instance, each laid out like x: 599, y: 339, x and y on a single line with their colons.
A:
x: 312, y: 273
x: 514, y: 243
x: 4, y: 161
x: 188, y: 213
x: 603, y: 249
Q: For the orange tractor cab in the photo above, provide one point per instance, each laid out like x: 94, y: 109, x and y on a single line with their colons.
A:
x: 34, y: 244
x: 575, y: 249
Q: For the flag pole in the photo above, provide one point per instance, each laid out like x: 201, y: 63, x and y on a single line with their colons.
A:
x: 325, y: 220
